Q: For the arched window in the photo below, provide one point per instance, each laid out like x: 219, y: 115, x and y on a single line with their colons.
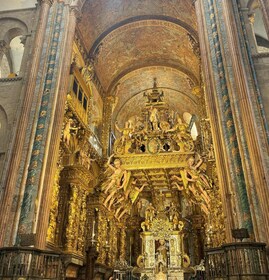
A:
x: 16, y: 53
x: 256, y: 19
x: 190, y: 120
x: 11, y: 46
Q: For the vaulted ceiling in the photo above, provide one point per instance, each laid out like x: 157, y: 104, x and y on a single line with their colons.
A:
x: 134, y: 41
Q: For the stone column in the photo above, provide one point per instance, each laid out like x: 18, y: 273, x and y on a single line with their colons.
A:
x: 213, y: 112
x: 19, y: 140
x: 252, y: 139
x: 34, y: 184
x: 240, y: 141
x: 55, y: 132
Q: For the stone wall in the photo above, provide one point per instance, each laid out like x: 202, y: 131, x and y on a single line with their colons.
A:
x: 13, y: 23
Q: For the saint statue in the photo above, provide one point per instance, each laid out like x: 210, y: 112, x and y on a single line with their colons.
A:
x: 162, y: 259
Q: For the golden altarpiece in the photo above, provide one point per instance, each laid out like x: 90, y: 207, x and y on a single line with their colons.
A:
x: 110, y: 171
x: 153, y: 199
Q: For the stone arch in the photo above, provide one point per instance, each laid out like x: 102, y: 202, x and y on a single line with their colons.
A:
x: 12, y: 27
x: 11, y: 44
x: 258, y: 25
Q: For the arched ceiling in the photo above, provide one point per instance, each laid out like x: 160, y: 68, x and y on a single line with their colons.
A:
x: 130, y: 91
x: 98, y: 16
x: 133, y: 42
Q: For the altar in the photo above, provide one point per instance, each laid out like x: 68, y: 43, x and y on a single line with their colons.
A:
x: 162, y: 255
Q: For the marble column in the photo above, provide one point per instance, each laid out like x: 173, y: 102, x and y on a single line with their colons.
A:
x: 17, y: 148
x: 55, y: 132
x: 232, y: 106
x: 244, y: 95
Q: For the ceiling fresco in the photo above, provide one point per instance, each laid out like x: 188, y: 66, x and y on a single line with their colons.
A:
x: 144, y: 43
x: 100, y: 16
x: 133, y: 42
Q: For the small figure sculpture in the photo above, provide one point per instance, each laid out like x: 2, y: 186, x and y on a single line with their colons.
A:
x: 197, y: 183
x: 150, y: 212
x: 134, y: 191
x: 142, y: 205
x: 193, y: 174
x: 84, y: 159
x: 126, y: 132
x: 160, y: 199
x: 162, y: 251
x: 118, y: 178
x: 173, y: 212
x: 69, y: 131
x: 154, y: 118
x: 182, y: 131
x: 88, y: 72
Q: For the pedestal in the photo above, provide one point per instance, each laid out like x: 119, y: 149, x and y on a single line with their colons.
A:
x: 92, y: 255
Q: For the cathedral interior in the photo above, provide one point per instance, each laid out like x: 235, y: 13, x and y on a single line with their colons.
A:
x: 134, y: 139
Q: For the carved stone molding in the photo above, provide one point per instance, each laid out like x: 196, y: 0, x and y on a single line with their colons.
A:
x: 2, y: 80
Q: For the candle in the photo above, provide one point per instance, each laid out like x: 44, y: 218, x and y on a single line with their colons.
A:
x: 93, y: 225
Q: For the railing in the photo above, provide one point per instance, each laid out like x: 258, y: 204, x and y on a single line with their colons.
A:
x: 242, y: 260
x: 30, y: 263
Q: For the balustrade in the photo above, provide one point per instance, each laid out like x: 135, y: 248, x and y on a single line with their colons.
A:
x: 242, y: 260
x: 30, y: 263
